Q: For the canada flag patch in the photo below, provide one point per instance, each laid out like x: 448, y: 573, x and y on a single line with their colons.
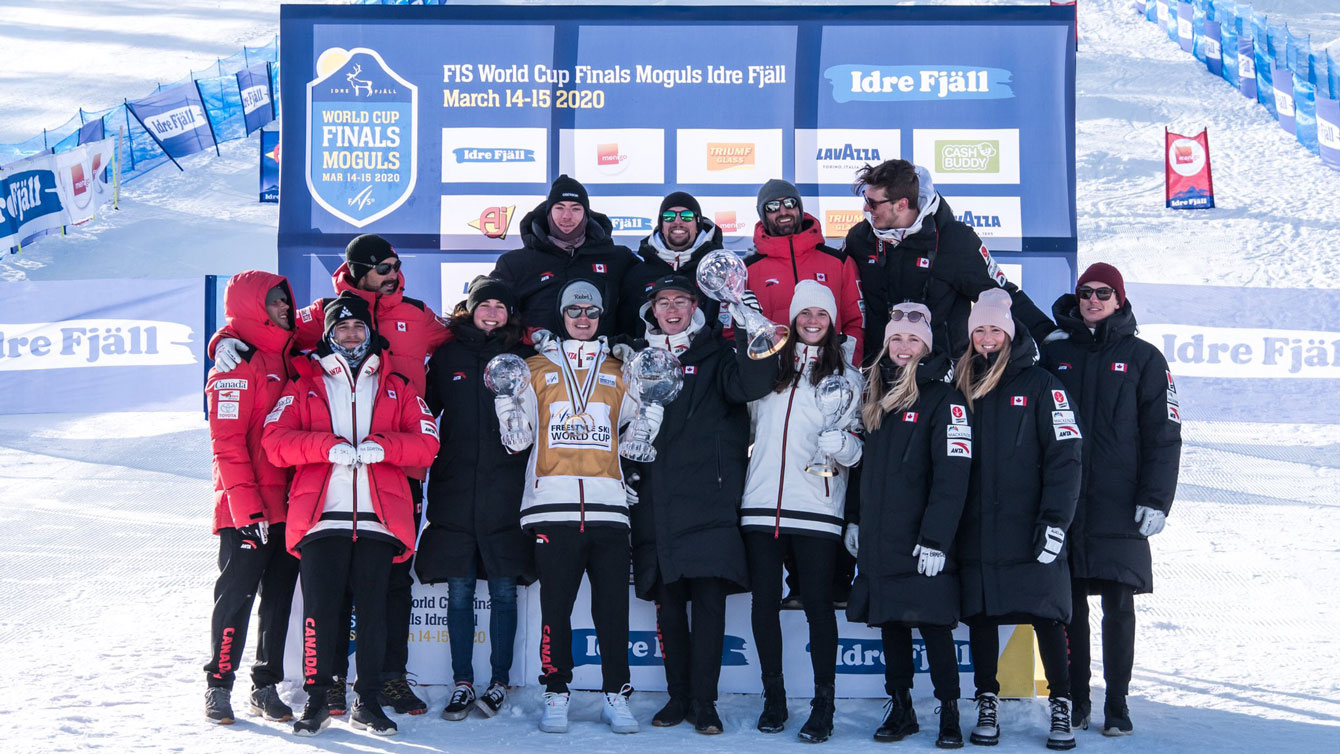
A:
x: 924, y: 263
x: 1119, y: 366
x: 910, y: 416
x: 391, y: 394
x: 1018, y: 400
x: 401, y: 327
x: 598, y: 268
x: 690, y: 370
x: 822, y: 277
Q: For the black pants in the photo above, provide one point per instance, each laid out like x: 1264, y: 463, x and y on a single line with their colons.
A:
x: 399, y: 604
x: 562, y: 555
x: 241, y: 573
x: 984, y: 639
x: 941, y: 654
x: 692, y: 656
x: 814, y: 579
x: 330, y: 566
x: 1118, y: 637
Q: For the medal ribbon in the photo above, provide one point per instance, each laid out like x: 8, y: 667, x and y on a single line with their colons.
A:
x: 580, y: 395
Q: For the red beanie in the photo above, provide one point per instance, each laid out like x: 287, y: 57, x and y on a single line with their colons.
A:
x: 1101, y: 272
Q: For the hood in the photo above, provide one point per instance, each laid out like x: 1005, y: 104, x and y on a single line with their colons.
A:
x: 244, y: 306
x: 1023, y: 352
x: 698, y: 320
x: 708, y: 240
x: 1120, y: 325
x: 810, y: 236
x: 929, y: 201
x: 535, y: 230
x: 342, y: 283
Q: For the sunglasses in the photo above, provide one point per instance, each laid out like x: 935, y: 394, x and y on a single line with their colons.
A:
x: 386, y: 268
x: 789, y: 202
x: 874, y: 203
x: 1085, y: 293
x: 687, y: 215
x: 897, y: 315
x: 590, y: 312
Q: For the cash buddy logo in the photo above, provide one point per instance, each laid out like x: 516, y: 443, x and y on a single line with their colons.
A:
x: 962, y: 156
x: 362, y: 136
x: 858, y: 82
x: 728, y: 156
x: 644, y: 648
x: 493, y: 222
x: 492, y: 155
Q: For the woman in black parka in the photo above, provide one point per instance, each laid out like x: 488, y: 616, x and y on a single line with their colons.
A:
x: 918, y: 449
x: 1129, y: 410
x: 687, y: 546
x: 1022, y: 492
x: 474, y: 493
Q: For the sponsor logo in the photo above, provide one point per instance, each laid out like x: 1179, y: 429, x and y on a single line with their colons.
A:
x: 423, y: 406
x: 727, y: 222
x: 848, y: 153
x: 230, y: 395
x: 1172, y: 389
x: 609, y: 160
x: 428, y: 428
x: 866, y: 656
x: 979, y: 220
x: 910, y: 416
x: 551, y: 378
x: 770, y: 282
x: 173, y: 123
x: 958, y: 414
x: 989, y: 216
x: 1066, y: 431
x: 831, y: 155
x: 964, y: 155
x: 607, y: 380
x: 1186, y: 157
x: 958, y: 432
x: 959, y: 448
x: 730, y: 155
x: 228, y: 409
x: 1063, y: 417
x: 1063, y: 366
x: 1174, y: 413
x: 922, y: 262
x: 221, y: 385
x: 493, y: 222
x: 492, y: 155
x: 76, y: 343
x: 910, y: 83
x: 631, y: 224
x: 992, y: 268
x: 956, y: 156
x: 838, y: 221
x: 1018, y: 400
x: 457, y: 376
x: 588, y: 431
x: 255, y: 97
x: 1062, y: 402
x: 278, y: 410
x: 305, y: 315
x: 1119, y: 366
x: 546, y: 276
x: 541, y: 539
x: 644, y: 648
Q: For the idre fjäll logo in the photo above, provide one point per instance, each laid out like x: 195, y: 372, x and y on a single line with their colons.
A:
x: 362, y: 136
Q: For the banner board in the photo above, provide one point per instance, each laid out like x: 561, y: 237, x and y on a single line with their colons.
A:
x: 1186, y: 170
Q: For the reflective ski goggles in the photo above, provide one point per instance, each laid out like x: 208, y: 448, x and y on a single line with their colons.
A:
x: 687, y: 215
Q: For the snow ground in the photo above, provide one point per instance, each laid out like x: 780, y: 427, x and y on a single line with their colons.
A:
x: 107, y: 566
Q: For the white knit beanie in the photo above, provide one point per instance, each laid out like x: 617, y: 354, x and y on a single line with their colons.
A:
x: 813, y: 293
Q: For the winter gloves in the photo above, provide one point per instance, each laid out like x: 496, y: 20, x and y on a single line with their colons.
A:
x: 369, y: 452
x: 655, y: 415
x: 834, y: 442
x: 851, y: 540
x: 929, y: 562
x: 343, y: 454
x: 254, y: 536
x: 226, y: 352
x: 1047, y: 543
x: 1151, y: 520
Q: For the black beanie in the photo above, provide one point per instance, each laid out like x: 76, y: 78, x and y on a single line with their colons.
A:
x: 679, y: 199
x: 365, y: 252
x: 484, y: 288
x: 671, y: 283
x: 567, y: 189
x: 348, y: 306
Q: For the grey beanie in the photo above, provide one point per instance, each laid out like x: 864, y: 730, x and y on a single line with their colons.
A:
x: 579, y: 292
x: 778, y: 189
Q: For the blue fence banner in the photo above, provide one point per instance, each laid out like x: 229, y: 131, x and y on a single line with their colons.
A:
x: 30, y: 199
x: 257, y: 99
x: 269, y: 166
x: 1246, y: 66
x: 441, y: 127
x: 1282, y: 82
x: 1184, y: 13
x: 1228, y: 49
x: 1305, y: 113
x: 1328, y: 130
x: 89, y: 346
x: 1210, y: 43
x: 175, y: 118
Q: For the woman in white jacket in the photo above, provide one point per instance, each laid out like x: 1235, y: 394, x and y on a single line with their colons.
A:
x: 786, y: 508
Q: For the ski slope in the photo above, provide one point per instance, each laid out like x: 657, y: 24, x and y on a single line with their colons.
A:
x: 107, y: 561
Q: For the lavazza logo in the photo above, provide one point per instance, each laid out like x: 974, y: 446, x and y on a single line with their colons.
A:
x: 960, y: 156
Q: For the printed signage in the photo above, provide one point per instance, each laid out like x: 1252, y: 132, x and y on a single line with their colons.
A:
x: 1187, y: 183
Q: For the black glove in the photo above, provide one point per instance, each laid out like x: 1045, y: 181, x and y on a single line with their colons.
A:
x: 254, y: 536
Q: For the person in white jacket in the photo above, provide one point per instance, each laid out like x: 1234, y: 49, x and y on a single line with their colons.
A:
x: 785, y: 508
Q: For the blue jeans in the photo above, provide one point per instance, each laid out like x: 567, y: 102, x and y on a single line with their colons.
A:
x: 461, y: 627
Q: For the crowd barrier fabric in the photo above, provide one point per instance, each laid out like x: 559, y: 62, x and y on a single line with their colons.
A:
x: 269, y: 166
x: 51, y: 190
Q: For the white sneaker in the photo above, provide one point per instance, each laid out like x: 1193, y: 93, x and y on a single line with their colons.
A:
x: 616, y: 712
x: 555, y: 717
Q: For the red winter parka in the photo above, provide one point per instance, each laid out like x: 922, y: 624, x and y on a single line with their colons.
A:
x: 247, y: 487
x: 779, y: 262
x: 299, y: 432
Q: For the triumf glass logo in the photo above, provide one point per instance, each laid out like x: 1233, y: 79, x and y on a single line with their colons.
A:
x: 958, y: 156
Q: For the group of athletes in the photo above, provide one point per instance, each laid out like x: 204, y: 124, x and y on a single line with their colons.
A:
x: 993, y: 466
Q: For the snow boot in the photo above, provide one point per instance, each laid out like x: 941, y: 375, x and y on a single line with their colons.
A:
x: 1116, y: 717
x: 368, y: 715
x: 819, y: 727
x: 491, y: 700
x: 555, y: 716
x: 673, y: 713
x: 773, y: 719
x: 900, y: 719
x: 951, y: 737
x: 265, y: 702
x: 315, y: 716
x: 219, y: 705
x: 987, y: 732
x: 458, y: 706
x: 396, y: 694
x: 337, y: 700
x: 1060, y: 737
x: 705, y: 718
x: 616, y: 713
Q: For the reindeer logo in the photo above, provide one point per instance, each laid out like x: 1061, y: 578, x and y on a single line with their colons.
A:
x: 358, y: 83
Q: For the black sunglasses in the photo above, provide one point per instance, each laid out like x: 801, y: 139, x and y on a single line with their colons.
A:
x: 874, y: 203
x: 386, y: 268
x: 1085, y: 293
x: 789, y: 202
x: 591, y: 312
x: 897, y: 315
x: 687, y: 215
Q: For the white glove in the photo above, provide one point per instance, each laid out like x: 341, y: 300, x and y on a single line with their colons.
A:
x: 929, y: 562
x: 751, y: 301
x: 542, y: 338
x: 623, y: 352
x: 1151, y: 520
x: 833, y: 441
x: 655, y: 415
x: 852, y: 539
x: 370, y: 452
x: 1055, y: 335
x: 1048, y: 543
x: 226, y: 356
x: 343, y: 454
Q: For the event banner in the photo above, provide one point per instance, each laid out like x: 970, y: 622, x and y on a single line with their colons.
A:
x: 1187, y: 181
x: 47, y: 191
x: 1246, y: 66
x: 257, y: 101
x: 1213, y: 51
x: 441, y: 127
x: 269, y: 166
x: 90, y: 346
x: 1282, y: 83
x: 175, y: 118
x: 1328, y: 130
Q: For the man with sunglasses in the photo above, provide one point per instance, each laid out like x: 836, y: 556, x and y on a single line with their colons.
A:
x: 371, y: 271
x: 788, y: 248
x: 909, y: 247
x: 1123, y: 395
x: 680, y: 241
x: 564, y: 240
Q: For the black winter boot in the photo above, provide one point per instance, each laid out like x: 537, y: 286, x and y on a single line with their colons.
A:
x: 819, y: 727
x: 773, y: 719
x: 900, y: 720
x: 315, y: 715
x: 705, y: 718
x: 951, y: 736
x: 369, y: 715
x: 672, y: 714
x: 1116, y: 717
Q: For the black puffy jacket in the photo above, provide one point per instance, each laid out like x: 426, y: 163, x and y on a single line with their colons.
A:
x: 1131, y: 418
x: 1025, y: 473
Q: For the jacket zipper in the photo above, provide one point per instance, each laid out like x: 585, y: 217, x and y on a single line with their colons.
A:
x: 781, y: 476
x: 353, y: 408
x: 795, y: 272
x: 581, y: 497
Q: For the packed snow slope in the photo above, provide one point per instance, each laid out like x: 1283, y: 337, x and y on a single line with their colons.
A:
x: 107, y: 564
